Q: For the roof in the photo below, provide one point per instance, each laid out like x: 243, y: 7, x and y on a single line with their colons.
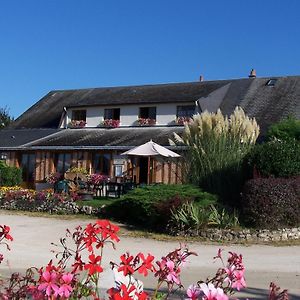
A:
x: 267, y: 103
x: 12, y: 138
x: 47, y: 111
x: 101, y: 138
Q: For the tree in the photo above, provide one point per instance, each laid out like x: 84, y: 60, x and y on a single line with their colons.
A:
x: 5, y: 118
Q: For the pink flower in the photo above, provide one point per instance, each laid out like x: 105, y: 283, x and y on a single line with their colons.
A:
x: 230, y: 274
x: 66, y: 289
x: 49, y: 283
x: 212, y: 293
x: 193, y: 292
x: 172, y: 274
x: 239, y: 280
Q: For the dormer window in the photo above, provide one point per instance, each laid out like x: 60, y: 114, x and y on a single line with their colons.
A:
x: 111, y: 118
x: 184, y: 113
x: 79, y: 115
x: 148, y: 113
x: 112, y: 114
x: 147, y: 116
x: 78, y: 118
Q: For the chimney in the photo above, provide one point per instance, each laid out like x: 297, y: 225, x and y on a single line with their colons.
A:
x: 201, y: 78
x: 252, y: 73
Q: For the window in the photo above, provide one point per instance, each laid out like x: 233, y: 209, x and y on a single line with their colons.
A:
x: 101, y: 163
x: 79, y: 115
x: 62, y: 162
x: 28, y: 167
x: 185, y: 111
x: 118, y: 170
x: 148, y: 113
x: 112, y: 114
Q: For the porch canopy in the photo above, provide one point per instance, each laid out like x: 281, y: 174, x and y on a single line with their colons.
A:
x: 151, y: 149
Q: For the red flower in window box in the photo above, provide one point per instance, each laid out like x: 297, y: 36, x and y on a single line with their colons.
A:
x: 146, y: 121
x: 77, y: 124
x: 111, y: 123
x: 183, y: 120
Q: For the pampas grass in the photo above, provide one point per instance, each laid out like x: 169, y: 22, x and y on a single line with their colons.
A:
x: 217, y: 145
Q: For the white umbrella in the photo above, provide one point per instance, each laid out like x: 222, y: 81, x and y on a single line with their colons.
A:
x: 151, y: 149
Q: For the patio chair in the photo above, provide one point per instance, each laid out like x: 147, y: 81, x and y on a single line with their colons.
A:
x: 114, y: 189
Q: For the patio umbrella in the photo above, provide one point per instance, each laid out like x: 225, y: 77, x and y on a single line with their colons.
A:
x: 151, y: 149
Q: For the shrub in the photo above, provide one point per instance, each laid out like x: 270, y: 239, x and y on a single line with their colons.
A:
x: 279, y: 158
x: 271, y: 202
x: 191, y: 217
x: 10, y: 176
x: 216, y: 147
x: 151, y: 206
x: 285, y: 129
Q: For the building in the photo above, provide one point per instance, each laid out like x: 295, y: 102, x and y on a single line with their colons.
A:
x: 90, y: 128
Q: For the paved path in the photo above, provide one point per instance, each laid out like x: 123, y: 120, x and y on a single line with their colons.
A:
x: 33, y: 237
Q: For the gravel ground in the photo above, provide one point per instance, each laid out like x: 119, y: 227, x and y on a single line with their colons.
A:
x: 32, y: 247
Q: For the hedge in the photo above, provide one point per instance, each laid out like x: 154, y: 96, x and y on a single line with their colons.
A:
x: 278, y: 158
x: 271, y: 203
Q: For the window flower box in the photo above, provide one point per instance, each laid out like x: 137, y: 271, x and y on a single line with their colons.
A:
x: 183, y: 120
x: 146, y: 122
x: 111, y: 123
x: 77, y: 124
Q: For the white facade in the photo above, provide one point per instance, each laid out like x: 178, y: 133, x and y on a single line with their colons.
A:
x: 166, y: 114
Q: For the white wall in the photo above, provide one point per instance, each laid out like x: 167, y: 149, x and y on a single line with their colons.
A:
x: 165, y: 113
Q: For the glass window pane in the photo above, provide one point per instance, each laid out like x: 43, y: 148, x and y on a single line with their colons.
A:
x: 78, y: 115
x: 106, y: 164
x: 152, y: 113
x: 67, y: 163
x: 108, y: 114
x: 31, y: 167
x: 185, y: 111
x: 148, y: 113
x: 116, y: 113
x: 118, y: 170
x: 97, y: 163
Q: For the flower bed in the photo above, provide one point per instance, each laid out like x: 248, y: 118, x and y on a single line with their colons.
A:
x: 44, y: 201
x: 71, y: 276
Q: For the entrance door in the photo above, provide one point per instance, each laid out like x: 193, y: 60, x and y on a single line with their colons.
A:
x: 28, y: 169
x: 143, y: 170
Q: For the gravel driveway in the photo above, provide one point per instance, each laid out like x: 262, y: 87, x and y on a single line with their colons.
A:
x: 32, y: 247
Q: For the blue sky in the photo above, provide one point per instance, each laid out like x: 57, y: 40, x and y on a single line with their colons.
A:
x: 67, y: 44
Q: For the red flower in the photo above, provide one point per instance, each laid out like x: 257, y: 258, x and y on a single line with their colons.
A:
x: 126, y: 293
x: 5, y: 233
x: 93, y: 265
x: 108, y: 230
x: 146, y: 264
x: 78, y: 264
x: 125, y: 264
